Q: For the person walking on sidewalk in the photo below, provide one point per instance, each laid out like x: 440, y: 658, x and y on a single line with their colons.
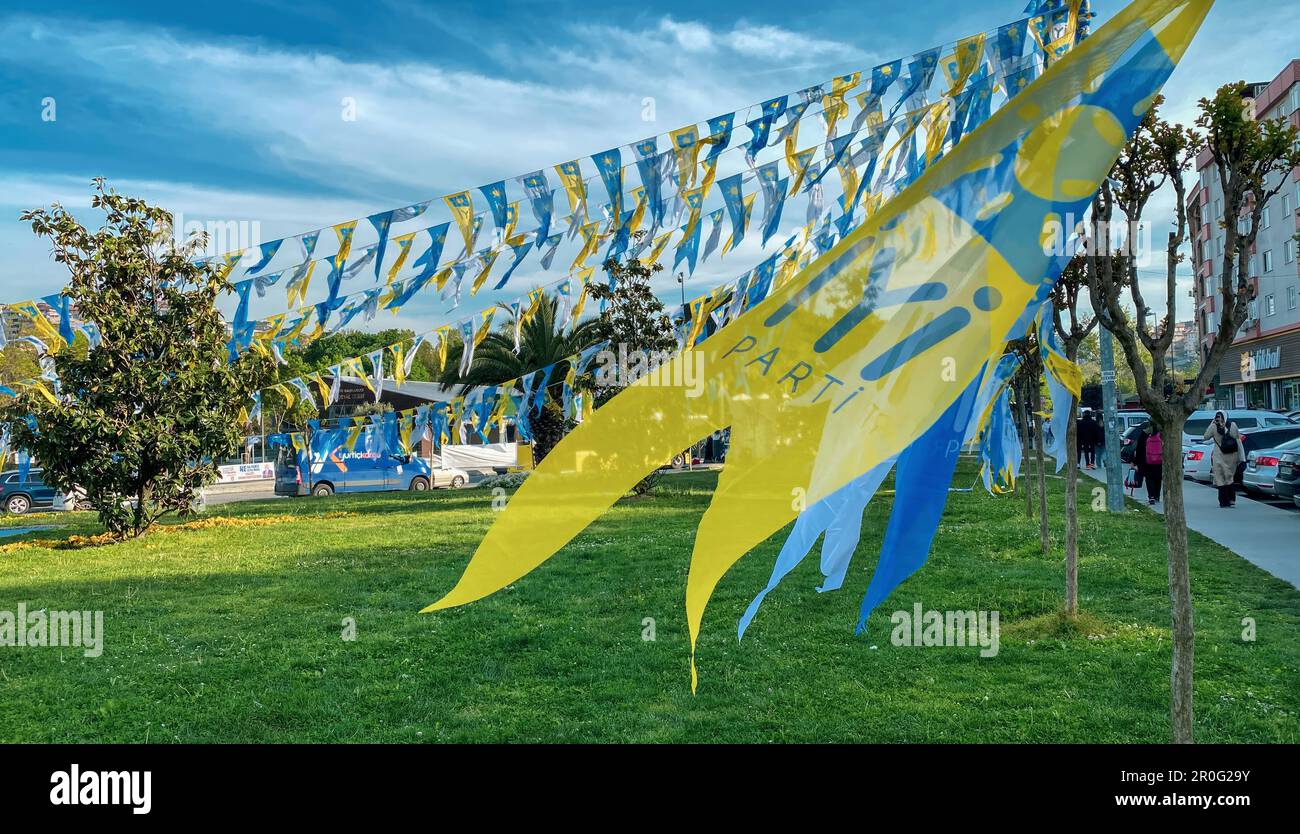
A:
x: 1089, y: 435
x: 1152, y: 461
x: 1224, y: 457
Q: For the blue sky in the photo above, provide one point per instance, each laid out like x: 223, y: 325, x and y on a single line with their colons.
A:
x: 233, y: 111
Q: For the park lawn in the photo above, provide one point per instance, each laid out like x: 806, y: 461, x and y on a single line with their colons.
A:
x: 232, y: 633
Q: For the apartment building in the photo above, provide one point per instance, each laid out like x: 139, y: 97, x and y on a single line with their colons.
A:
x: 1262, y: 368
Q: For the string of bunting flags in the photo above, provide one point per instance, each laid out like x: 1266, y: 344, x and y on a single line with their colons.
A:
x: 971, y: 103
x: 970, y: 83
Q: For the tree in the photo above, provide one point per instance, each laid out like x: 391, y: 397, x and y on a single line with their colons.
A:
x: 635, y: 324
x: 543, y: 341
x: 1028, y: 383
x: 1247, y: 154
x: 1071, y: 331
x: 18, y: 363
x: 347, y: 344
x: 141, y: 418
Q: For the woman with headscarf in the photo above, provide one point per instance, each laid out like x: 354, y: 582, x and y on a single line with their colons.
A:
x: 1224, y: 457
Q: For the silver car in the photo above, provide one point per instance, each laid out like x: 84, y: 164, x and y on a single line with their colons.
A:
x: 1261, y: 467
x: 1196, y: 461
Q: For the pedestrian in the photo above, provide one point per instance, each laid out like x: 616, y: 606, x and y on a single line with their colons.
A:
x: 1224, y: 457
x: 1152, y: 461
x: 1089, y: 434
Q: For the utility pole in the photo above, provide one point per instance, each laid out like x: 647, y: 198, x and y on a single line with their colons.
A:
x: 681, y: 282
x: 1114, y: 478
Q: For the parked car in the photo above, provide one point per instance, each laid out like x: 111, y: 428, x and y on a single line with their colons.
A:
x: 1246, y: 419
x: 1126, y: 447
x: 1126, y: 420
x: 1196, y: 460
x: 1261, y: 466
x: 19, y: 495
x: 1286, y: 483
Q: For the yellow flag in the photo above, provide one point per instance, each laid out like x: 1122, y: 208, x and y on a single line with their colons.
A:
x: 575, y: 188
x: 657, y: 248
x: 462, y: 211
x: 344, y: 231
x: 686, y: 147
x: 403, y: 250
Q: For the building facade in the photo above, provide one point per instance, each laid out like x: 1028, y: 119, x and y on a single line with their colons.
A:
x: 1262, y: 368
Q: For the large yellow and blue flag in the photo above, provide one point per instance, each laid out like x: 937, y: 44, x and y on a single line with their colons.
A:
x: 875, y: 350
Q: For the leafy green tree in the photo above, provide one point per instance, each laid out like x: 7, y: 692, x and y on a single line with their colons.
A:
x: 142, y: 417
x: 18, y: 363
x: 543, y: 341
x: 634, y: 323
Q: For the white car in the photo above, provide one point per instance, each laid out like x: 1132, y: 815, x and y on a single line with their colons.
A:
x: 1246, y: 420
x: 451, y: 477
x: 1196, y: 459
x: 1261, y: 467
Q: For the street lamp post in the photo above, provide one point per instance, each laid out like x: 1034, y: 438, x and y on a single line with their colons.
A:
x: 681, y: 282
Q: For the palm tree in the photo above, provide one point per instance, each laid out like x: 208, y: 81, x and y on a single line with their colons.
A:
x: 543, y: 341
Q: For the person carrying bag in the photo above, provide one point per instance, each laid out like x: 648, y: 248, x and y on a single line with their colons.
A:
x: 1225, y: 459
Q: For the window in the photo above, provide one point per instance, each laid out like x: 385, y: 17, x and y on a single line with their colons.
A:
x: 1253, y: 309
x: 1205, y: 214
x: 1290, y: 298
x: 1268, y: 260
x: 1218, y: 208
x: 1286, y: 205
x: 1288, y: 251
x: 1252, y: 267
x: 1245, y: 422
x: 1220, y: 246
x: 1266, y: 219
x: 1270, y: 307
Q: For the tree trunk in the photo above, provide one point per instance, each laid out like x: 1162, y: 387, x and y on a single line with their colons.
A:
x: 1180, y: 588
x: 1025, y: 440
x: 1044, y: 540
x: 1072, y: 514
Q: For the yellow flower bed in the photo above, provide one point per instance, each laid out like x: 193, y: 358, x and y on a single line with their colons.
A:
x: 75, y: 542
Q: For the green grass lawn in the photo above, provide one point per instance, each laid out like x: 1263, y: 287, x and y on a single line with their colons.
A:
x: 233, y: 634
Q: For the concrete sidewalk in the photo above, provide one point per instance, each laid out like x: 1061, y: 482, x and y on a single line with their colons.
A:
x: 1263, y: 535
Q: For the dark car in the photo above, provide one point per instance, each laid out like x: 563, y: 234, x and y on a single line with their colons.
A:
x: 1126, y: 447
x: 1286, y: 484
x: 19, y: 495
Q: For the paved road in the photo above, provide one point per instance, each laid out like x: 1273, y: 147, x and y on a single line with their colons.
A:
x: 1264, y: 533
x: 258, y: 490
x: 241, y: 492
